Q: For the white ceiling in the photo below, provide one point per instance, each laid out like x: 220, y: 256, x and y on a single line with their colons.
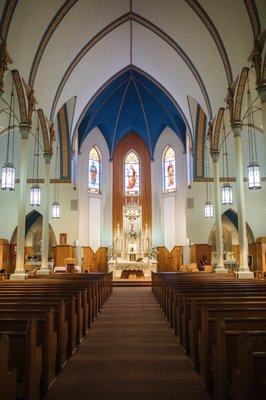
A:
x: 155, y: 56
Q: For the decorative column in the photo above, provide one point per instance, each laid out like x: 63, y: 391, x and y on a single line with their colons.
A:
x: 219, y: 268
x: 243, y: 271
x: 262, y: 94
x: 44, y: 270
x: 19, y: 272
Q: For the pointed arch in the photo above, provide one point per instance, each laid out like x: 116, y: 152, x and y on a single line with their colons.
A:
x: 131, y: 171
x: 169, y: 170
x: 94, y: 170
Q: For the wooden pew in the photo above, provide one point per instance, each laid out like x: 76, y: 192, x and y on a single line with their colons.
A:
x: 60, y: 323
x: 248, y: 377
x: 207, y: 329
x: 8, y: 376
x: 225, y: 350
x: 24, y: 355
x: 72, y: 310
x: 46, y: 337
x: 193, y: 306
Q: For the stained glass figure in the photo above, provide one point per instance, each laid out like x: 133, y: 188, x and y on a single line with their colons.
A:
x: 169, y: 172
x: 131, y: 174
x: 94, y: 171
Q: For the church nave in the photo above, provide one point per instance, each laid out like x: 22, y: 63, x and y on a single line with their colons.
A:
x: 129, y: 353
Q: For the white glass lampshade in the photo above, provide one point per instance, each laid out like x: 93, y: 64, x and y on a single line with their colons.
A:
x: 208, y: 210
x: 254, y: 181
x: 8, y: 177
x: 227, y: 194
x: 55, y: 209
x: 35, y: 195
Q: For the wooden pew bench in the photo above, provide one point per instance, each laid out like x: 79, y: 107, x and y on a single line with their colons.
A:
x: 46, y: 337
x: 8, y: 375
x: 24, y: 355
x: 60, y: 323
x: 225, y: 355
x: 248, y: 377
x: 207, y: 329
x: 70, y: 313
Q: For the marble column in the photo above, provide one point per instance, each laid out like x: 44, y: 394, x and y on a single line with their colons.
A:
x: 19, y: 272
x: 243, y: 271
x: 219, y: 267
x: 262, y: 94
x: 44, y: 270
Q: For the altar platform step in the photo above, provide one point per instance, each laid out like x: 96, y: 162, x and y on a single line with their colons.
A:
x: 131, y: 282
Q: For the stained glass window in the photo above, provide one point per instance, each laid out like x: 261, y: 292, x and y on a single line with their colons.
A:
x: 169, y: 172
x: 94, y: 170
x: 131, y: 174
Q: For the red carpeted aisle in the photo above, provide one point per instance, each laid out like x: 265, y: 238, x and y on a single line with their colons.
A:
x: 130, y: 353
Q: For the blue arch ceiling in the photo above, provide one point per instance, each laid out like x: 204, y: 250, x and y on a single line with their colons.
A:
x: 132, y: 102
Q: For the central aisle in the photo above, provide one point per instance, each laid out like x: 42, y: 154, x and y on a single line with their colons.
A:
x: 129, y: 353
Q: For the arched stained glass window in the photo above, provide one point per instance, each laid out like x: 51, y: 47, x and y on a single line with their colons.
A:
x: 169, y: 172
x: 94, y: 167
x: 131, y: 174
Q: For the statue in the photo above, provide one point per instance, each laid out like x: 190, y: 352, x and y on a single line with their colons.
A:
x: 5, y: 59
x: 31, y: 100
x: 52, y: 135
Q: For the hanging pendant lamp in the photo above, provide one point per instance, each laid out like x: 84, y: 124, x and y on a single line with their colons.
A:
x: 8, y: 169
x: 35, y: 190
x: 254, y: 177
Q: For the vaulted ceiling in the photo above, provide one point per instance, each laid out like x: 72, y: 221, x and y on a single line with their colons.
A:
x: 73, y: 47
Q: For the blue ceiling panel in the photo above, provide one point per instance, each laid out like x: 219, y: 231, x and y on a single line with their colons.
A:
x: 132, y: 102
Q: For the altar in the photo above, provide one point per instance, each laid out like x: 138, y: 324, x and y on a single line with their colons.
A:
x: 118, y: 266
x: 132, y: 248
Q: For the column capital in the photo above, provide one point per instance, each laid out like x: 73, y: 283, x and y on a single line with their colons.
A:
x: 47, y: 157
x: 261, y: 90
x: 24, y: 130
x: 215, y: 155
x: 237, y: 128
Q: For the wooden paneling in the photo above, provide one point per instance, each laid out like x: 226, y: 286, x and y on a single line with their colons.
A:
x: 169, y: 261
x: 95, y: 262
x: 198, y: 251
x: 131, y: 141
x: 261, y: 253
x: 235, y: 250
x: 61, y: 252
x: 5, y: 255
x: 253, y: 250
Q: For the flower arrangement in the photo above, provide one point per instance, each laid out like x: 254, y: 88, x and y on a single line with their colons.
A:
x: 113, y: 253
x: 34, y: 257
x: 132, y: 235
x: 152, y: 253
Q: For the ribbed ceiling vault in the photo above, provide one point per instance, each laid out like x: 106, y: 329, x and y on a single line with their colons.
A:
x: 73, y: 47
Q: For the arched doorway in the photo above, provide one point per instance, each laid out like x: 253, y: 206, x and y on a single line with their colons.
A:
x: 230, y: 235
x: 33, y: 238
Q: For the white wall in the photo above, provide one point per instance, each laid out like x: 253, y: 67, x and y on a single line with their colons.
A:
x: 169, y: 210
x: 95, y: 210
x: 199, y: 227
x: 66, y: 224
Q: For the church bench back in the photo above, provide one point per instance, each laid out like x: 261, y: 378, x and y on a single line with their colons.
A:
x: 71, y: 314
x: 203, y: 315
x: 207, y: 333
x: 46, y: 336
x: 25, y: 355
x: 8, y: 375
x: 225, y: 352
x: 251, y: 364
x: 60, y: 323
x: 239, y: 306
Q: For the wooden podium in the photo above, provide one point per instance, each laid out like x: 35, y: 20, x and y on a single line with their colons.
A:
x: 70, y: 264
